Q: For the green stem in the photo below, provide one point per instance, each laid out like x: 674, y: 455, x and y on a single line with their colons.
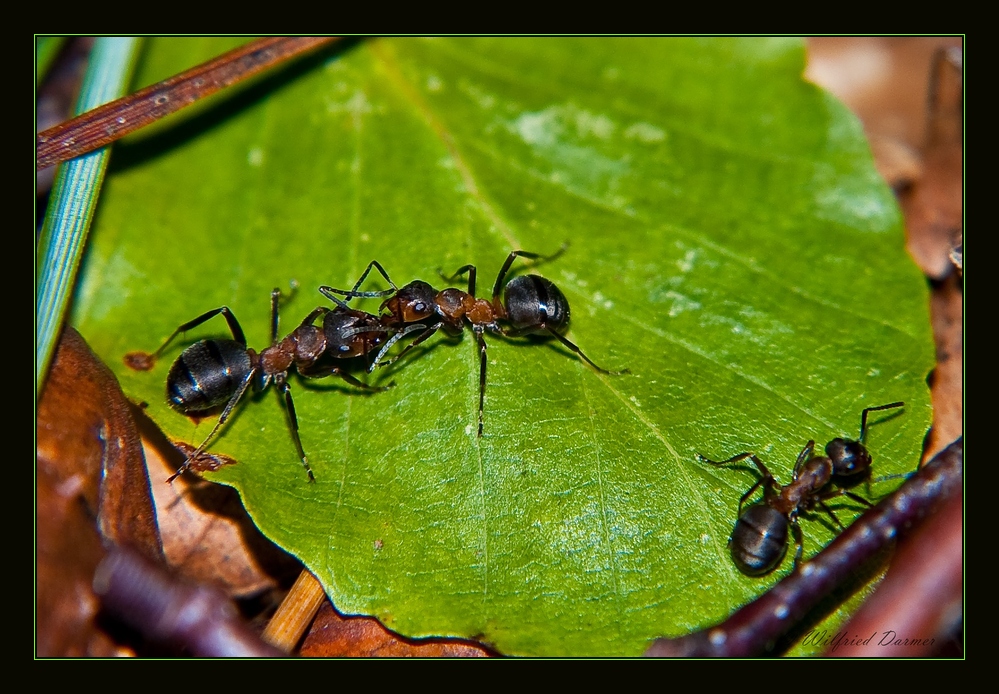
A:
x: 71, y: 207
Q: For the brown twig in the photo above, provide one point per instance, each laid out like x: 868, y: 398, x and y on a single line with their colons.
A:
x: 105, y: 124
x: 144, y: 596
x: 296, y: 612
x: 920, y: 603
x: 757, y: 627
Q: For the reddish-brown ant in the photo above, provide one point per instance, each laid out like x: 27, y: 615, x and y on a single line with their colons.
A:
x: 212, y: 373
x: 532, y: 305
x: 759, y: 539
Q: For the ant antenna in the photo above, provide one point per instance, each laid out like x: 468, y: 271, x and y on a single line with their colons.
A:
x: 863, y: 416
x: 328, y: 291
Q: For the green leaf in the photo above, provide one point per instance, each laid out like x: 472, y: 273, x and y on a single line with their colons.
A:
x: 46, y: 50
x: 730, y: 243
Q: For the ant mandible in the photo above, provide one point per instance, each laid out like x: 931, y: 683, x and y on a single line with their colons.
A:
x: 532, y: 305
x: 210, y: 373
x: 760, y: 537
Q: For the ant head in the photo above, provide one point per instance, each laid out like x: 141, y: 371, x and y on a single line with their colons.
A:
x: 532, y: 302
x: 848, y: 457
x: 412, y: 303
x: 343, y: 340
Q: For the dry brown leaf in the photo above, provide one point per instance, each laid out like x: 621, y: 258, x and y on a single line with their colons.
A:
x: 947, y: 384
x: 207, y: 534
x: 333, y: 635
x: 84, y: 435
x: 917, y: 144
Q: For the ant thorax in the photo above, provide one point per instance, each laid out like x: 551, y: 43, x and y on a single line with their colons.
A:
x: 454, y: 305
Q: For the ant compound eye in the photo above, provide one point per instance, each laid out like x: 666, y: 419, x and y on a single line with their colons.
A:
x: 420, y: 306
x: 344, y: 348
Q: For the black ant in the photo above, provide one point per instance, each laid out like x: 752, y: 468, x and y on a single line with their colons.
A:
x: 760, y: 536
x: 210, y: 373
x: 532, y: 305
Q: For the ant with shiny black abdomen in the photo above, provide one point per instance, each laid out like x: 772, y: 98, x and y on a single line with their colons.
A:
x: 212, y: 373
x: 531, y: 305
x: 760, y: 537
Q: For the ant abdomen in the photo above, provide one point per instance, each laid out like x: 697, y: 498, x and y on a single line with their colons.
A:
x: 206, y: 374
x: 535, y: 302
x: 759, y: 540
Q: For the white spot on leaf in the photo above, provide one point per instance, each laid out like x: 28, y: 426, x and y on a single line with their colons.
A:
x: 644, y: 132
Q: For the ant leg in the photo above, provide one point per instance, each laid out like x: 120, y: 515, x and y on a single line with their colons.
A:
x: 733, y: 459
x: 330, y: 370
x: 839, y: 492
x: 482, y: 375
x: 311, y: 318
x: 218, y: 425
x: 798, y: 542
x: 736, y: 458
x: 359, y: 384
x: 230, y: 319
x: 858, y: 499
x: 565, y: 341
x: 470, y: 269
x: 498, y: 287
x: 863, y: 416
x: 742, y: 499
x: 805, y: 454
x: 275, y: 298
x: 351, y: 332
x: 293, y: 418
x: 886, y: 478
x: 766, y: 477
x: 829, y: 511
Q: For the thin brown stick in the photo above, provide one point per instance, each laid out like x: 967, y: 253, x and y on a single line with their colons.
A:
x: 112, y: 121
x: 199, y: 618
x: 295, y: 613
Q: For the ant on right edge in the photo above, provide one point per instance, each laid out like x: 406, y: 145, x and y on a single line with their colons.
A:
x: 760, y: 537
x: 532, y: 305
